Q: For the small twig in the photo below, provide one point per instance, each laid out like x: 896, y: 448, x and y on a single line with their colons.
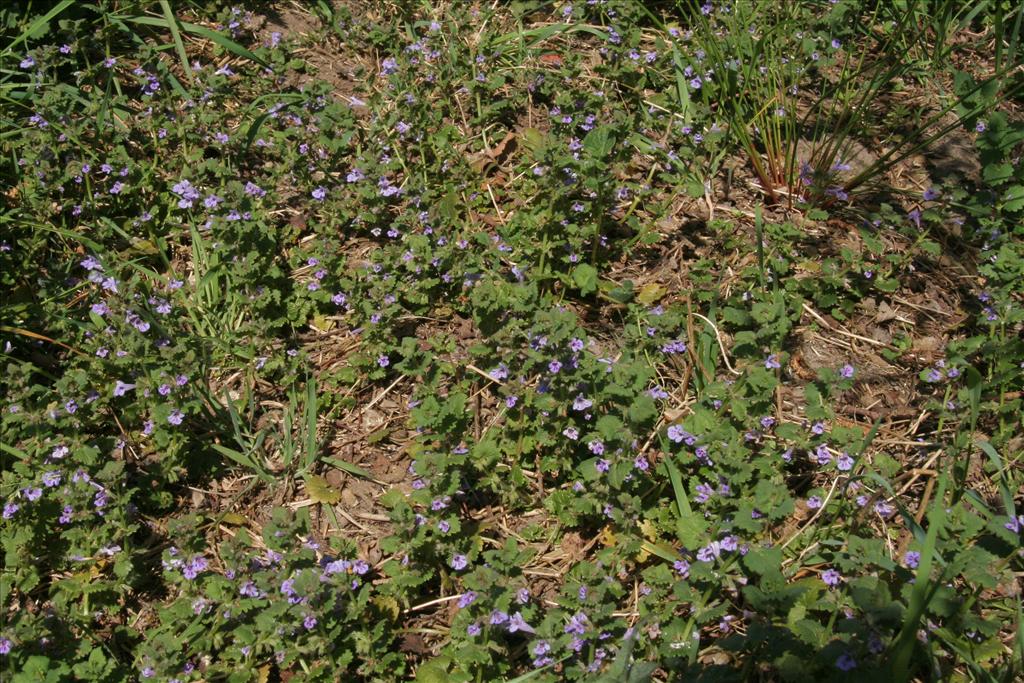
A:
x: 431, y: 603
x: 851, y: 335
x: 815, y: 516
x: 482, y: 373
x: 382, y: 394
x: 721, y: 344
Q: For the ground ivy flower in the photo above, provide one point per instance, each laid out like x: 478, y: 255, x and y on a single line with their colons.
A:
x: 846, y: 371
x: 581, y: 403
x: 911, y: 559
x: 596, y: 446
x: 772, y: 362
x: 459, y: 562
x: 831, y: 577
x: 319, y: 194
x: 467, y: 599
x: 846, y: 662
x: 175, y: 417
x: 518, y: 623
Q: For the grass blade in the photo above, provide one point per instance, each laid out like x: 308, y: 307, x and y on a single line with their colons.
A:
x: 905, y: 643
x: 38, y: 24
x: 172, y: 24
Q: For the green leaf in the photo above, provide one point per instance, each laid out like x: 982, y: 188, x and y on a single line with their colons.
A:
x: 320, y: 491
x: 599, y: 142
x: 585, y: 277
x: 642, y: 410
x: 996, y: 174
x: 650, y: 293
x: 1013, y: 199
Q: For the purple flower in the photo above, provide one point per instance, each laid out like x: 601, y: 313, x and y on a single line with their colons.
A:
x: 254, y: 190
x: 467, y: 599
x: 814, y: 502
x: 581, y: 403
x: 27, y: 63
x: 931, y: 194
x: 459, y: 562
x: 541, y: 647
x: 846, y: 371
x: 309, y: 622
x: 10, y: 509
x: 319, y: 194
x: 709, y: 552
x: 175, y: 417
x: 846, y: 662
x: 571, y: 433
x: 517, y: 623
x: 193, y: 567
x: 682, y: 568
x: 911, y: 559
x: 596, y: 447
x: 578, y: 622
x: 676, y: 346
x: 675, y: 433
x: 355, y: 175
x: 772, y: 362
x: 473, y: 629
x: 554, y: 366
x: 844, y: 462
x: 498, y: 617
x: 51, y: 478
x: 383, y: 361
x: 602, y: 465
x: 831, y: 577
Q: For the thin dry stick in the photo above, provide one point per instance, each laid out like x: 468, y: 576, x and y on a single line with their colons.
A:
x: 815, y: 516
x: 482, y: 373
x: 837, y: 330
x: 924, y: 500
x: 381, y: 396
x: 721, y: 344
x: 431, y: 603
